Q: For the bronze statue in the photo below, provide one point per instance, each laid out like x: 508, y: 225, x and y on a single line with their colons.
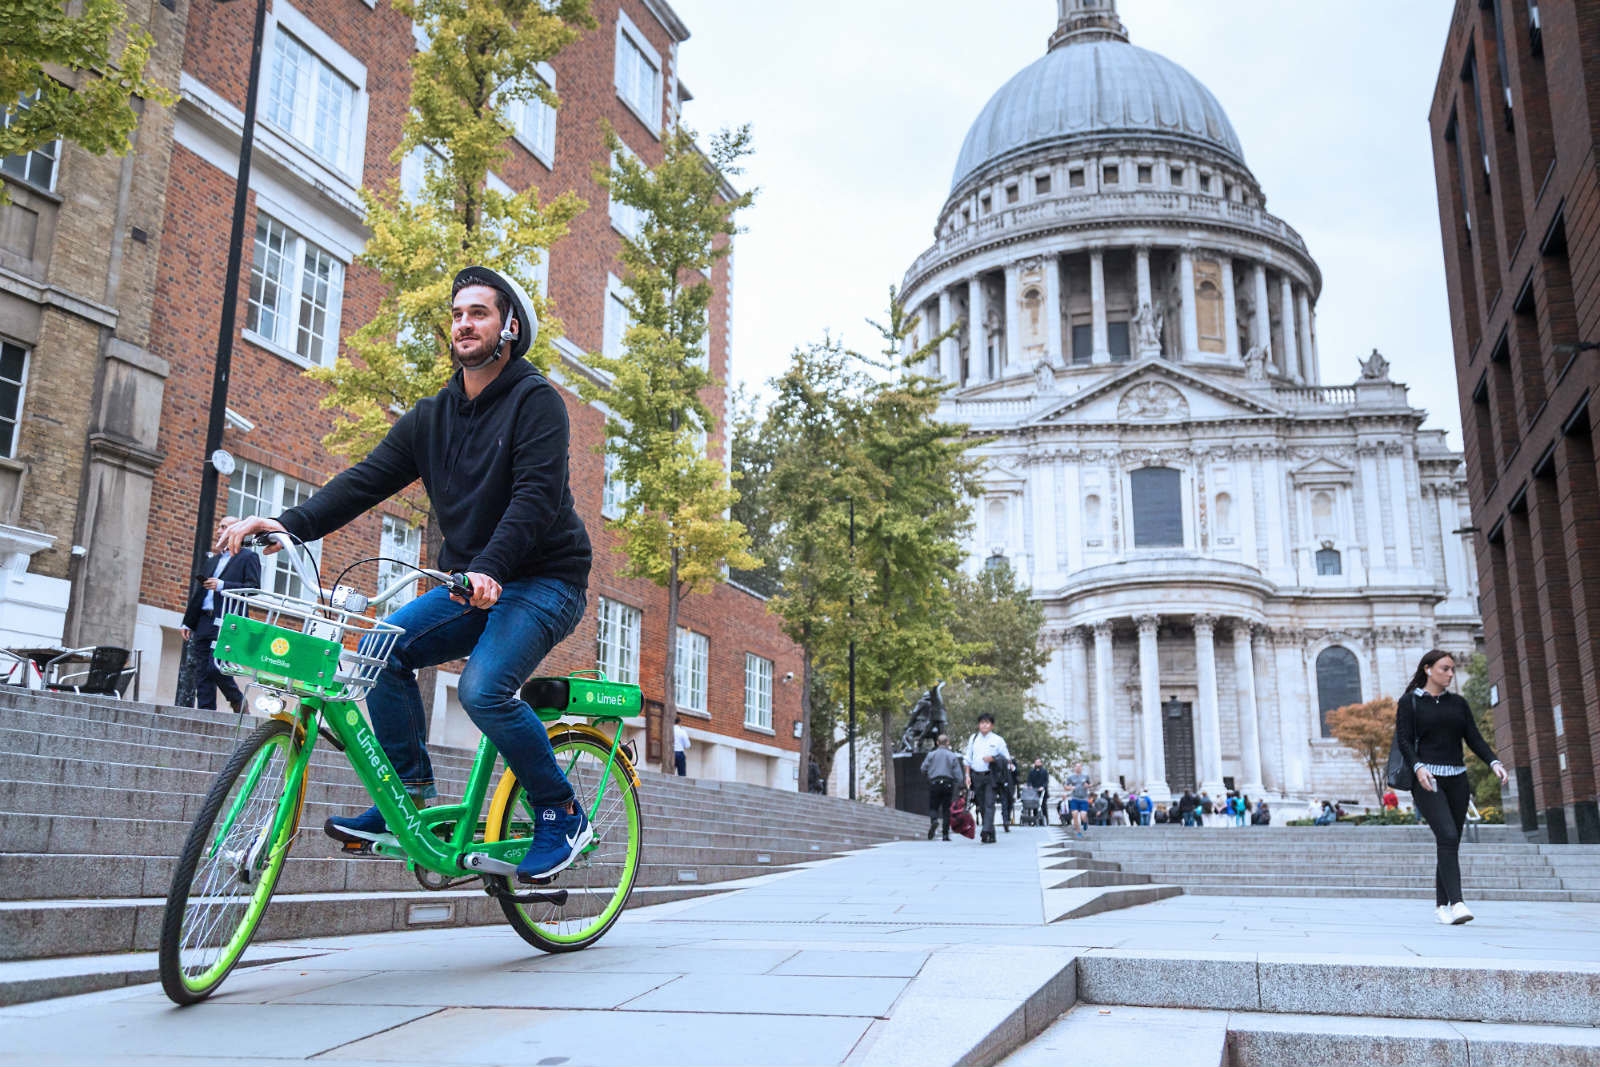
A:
x: 927, y: 722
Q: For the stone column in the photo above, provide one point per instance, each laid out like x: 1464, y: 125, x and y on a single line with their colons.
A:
x: 1155, y: 754
x: 1105, y: 741
x: 1291, y: 711
x: 1205, y: 657
x: 1097, y: 298
x: 950, y: 347
x: 1141, y: 259
x: 924, y: 336
x: 1291, y: 344
x: 1077, y: 666
x: 1450, y: 542
x: 1041, y: 501
x: 1244, y: 669
x: 1367, y: 455
x: 1052, y: 311
x: 1261, y: 326
x: 1308, y: 362
x: 1013, y: 320
x: 977, y: 342
x: 1316, y: 358
x: 1191, y: 316
x: 1230, y: 311
x: 1404, y: 545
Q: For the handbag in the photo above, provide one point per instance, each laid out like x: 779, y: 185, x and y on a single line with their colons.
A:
x: 1397, y: 773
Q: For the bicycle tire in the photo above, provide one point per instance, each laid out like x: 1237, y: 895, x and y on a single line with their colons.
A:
x: 600, y: 882
x: 204, y: 933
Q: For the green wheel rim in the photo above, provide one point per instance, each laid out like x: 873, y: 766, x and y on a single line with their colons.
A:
x: 601, y: 880
x: 217, y: 893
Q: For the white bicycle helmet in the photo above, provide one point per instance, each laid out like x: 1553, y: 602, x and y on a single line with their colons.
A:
x: 521, y: 307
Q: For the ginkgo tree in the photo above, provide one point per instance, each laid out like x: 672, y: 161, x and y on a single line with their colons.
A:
x: 674, y: 524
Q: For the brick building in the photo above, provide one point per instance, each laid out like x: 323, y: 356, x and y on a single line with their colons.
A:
x: 334, y: 89
x: 80, y: 385
x: 1514, y: 124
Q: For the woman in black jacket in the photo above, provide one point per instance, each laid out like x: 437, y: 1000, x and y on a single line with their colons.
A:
x: 1430, y: 726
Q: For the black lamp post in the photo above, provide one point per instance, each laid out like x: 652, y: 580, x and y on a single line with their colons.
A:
x: 852, y: 734
x: 205, y: 515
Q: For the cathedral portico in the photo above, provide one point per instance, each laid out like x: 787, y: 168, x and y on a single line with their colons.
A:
x: 1225, y: 547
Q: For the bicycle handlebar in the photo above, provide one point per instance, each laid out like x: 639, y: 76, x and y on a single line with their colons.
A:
x: 349, y: 599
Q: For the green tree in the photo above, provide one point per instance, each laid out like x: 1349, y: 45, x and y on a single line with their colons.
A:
x: 60, y: 76
x: 816, y: 470
x: 1029, y: 731
x: 909, y: 531
x: 754, y: 454
x: 1367, y: 730
x: 1001, y: 618
x: 482, y: 57
x: 1475, y: 690
x: 674, y: 525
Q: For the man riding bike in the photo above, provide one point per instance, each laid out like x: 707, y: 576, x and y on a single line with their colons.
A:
x: 491, y: 449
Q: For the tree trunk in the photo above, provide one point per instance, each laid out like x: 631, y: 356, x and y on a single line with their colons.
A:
x: 805, y: 722
x: 428, y: 677
x: 885, y: 747
x: 669, y: 672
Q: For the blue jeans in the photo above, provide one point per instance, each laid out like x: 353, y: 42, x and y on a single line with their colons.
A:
x: 502, y: 647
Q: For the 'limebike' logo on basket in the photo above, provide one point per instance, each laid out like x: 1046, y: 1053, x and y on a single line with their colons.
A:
x: 605, y: 698
x: 280, y: 646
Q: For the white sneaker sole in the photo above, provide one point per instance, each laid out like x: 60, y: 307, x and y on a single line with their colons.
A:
x: 1461, y: 919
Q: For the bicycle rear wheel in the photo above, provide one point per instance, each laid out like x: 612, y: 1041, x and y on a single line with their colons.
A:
x: 600, y: 881
x: 229, y: 865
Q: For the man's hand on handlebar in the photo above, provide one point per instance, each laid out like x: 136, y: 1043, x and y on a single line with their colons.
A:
x: 231, y: 539
x: 485, y: 591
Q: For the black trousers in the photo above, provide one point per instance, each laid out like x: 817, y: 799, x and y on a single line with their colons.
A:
x: 983, y: 785
x: 1446, y: 813
x: 680, y: 763
x: 208, y: 678
x: 940, y: 792
x: 1008, y: 800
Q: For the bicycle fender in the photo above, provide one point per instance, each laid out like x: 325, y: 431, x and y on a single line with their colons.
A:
x: 508, y: 781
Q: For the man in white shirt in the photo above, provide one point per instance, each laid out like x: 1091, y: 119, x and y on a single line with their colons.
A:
x: 680, y: 747
x: 983, y: 748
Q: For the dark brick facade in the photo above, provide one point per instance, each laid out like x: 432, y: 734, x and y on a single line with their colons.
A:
x: 272, y: 392
x: 1515, y: 124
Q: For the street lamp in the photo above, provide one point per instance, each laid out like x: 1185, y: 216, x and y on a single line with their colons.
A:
x: 852, y: 734
x: 205, y: 513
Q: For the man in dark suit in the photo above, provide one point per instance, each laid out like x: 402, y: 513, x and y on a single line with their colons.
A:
x: 221, y: 571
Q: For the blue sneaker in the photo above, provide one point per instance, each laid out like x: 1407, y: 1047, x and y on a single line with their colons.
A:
x: 357, y: 832
x: 558, y: 838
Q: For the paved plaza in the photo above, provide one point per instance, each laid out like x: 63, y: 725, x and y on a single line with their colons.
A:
x: 918, y: 952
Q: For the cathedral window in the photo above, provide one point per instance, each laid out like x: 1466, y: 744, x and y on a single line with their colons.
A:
x: 1322, y: 523
x: 1146, y: 174
x: 1075, y: 178
x: 1338, y: 682
x: 1329, y: 562
x: 985, y: 204
x: 1041, y: 185
x: 1082, y: 344
x: 1110, y: 174
x: 1157, y: 507
x: 1117, y: 341
x: 1013, y: 194
x: 1177, y: 177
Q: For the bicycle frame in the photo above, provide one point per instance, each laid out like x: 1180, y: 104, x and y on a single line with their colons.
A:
x: 412, y: 826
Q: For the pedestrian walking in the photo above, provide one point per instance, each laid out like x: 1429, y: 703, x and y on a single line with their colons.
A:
x: 1006, y: 789
x: 1079, y: 786
x: 1146, y: 807
x: 942, y: 768
x: 1130, y: 808
x: 983, y: 749
x: 1431, y: 724
x: 1039, y: 778
x: 221, y: 571
x: 681, y: 744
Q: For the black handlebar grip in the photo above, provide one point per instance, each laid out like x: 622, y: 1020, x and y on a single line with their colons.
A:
x: 460, y: 583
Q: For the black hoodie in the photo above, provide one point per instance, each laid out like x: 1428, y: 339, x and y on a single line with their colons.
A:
x: 495, y: 469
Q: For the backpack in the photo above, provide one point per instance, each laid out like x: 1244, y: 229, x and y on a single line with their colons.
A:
x: 961, y: 820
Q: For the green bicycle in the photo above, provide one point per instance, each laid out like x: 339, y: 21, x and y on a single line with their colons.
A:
x: 321, y: 657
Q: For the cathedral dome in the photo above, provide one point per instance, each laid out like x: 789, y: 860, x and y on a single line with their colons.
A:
x: 1095, y: 88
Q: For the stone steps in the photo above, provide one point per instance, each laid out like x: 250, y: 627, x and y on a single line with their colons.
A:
x: 97, y: 797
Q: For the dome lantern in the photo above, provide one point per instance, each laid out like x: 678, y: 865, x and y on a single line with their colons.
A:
x: 1088, y: 20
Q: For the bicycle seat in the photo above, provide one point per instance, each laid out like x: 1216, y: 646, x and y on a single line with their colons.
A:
x: 576, y: 695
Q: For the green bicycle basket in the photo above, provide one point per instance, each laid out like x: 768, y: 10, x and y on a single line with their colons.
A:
x: 583, y: 695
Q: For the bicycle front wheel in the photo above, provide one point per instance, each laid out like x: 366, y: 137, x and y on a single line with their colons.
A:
x: 600, y: 881
x: 229, y: 865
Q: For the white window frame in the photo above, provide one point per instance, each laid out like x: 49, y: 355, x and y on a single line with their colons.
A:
x: 11, y: 438
x: 617, y: 638
x: 757, y: 692
x: 634, y: 48
x: 616, y: 318
x: 616, y: 491
x: 277, y: 493
x: 398, y: 540
x: 285, y: 336
x: 416, y: 166
x: 534, y: 122
x: 536, y: 273
x: 316, y: 87
x: 691, y: 666
x: 625, y: 219
x: 25, y: 160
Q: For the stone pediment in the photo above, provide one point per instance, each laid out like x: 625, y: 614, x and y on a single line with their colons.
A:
x: 1323, y: 470
x: 997, y: 477
x: 1155, y: 391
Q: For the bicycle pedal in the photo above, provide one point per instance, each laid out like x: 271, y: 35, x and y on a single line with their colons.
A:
x: 355, y: 848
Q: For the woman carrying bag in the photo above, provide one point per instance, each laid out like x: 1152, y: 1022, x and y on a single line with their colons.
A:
x: 1431, y: 724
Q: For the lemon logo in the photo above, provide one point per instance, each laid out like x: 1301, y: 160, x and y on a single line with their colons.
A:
x: 589, y: 696
x: 352, y: 716
x: 280, y: 646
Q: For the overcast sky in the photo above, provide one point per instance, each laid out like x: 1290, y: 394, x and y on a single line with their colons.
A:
x: 860, y: 106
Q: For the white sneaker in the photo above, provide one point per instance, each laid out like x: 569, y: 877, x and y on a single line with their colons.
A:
x: 1460, y: 913
x: 1445, y: 915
